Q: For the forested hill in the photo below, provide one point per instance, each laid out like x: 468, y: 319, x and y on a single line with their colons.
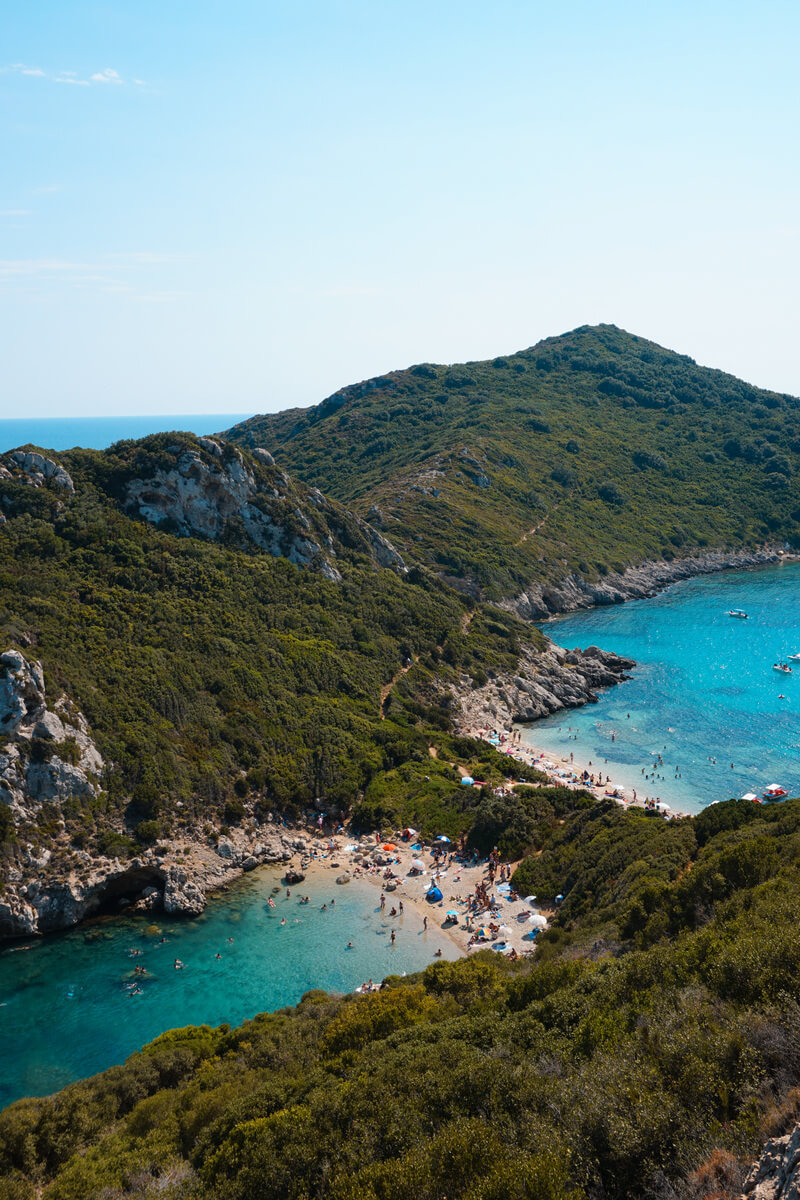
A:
x: 647, y: 1051
x: 585, y: 453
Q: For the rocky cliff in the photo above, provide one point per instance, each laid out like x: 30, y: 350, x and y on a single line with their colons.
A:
x: 208, y: 489
x: 543, y: 683
x: 46, y: 754
x: 572, y: 593
x: 173, y: 877
x: 776, y: 1175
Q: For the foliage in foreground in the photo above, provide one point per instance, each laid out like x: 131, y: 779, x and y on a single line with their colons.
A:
x: 644, y: 1073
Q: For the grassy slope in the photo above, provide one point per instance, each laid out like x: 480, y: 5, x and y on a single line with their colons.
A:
x: 642, y: 1074
x: 652, y: 454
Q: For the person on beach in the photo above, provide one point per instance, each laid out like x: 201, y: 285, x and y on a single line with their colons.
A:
x: 394, y: 935
x: 425, y: 924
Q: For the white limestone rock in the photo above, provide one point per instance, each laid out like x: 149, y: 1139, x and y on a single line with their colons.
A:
x: 26, y: 721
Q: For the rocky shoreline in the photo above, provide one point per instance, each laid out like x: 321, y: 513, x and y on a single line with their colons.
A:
x: 544, y: 682
x: 541, y: 601
x: 172, y: 878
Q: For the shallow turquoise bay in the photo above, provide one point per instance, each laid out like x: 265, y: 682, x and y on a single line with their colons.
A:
x: 703, y: 689
x: 65, y: 1013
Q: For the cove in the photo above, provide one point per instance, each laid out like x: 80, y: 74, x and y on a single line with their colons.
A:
x: 703, y: 689
x: 65, y: 1012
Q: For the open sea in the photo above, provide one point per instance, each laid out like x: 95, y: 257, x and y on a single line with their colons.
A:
x: 703, y: 695
x: 65, y: 1012
x: 96, y: 433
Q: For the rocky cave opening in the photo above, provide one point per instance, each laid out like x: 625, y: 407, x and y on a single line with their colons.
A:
x: 126, y: 888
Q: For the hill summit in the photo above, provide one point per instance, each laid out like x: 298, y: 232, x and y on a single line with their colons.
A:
x: 582, y: 455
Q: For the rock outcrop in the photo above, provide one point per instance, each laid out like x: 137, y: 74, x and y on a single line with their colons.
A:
x: 572, y: 593
x: 33, y: 468
x: 776, y: 1175
x: 213, y: 491
x: 545, y: 681
x: 46, y: 753
x: 174, y: 879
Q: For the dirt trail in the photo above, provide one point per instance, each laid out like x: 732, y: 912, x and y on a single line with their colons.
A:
x: 535, y: 529
x: 387, y: 687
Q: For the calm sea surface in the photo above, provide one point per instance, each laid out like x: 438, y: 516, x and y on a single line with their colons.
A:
x: 95, y: 433
x: 703, y: 695
x: 65, y: 1012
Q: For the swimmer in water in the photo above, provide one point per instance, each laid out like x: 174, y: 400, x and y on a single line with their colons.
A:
x: 350, y: 946
x: 438, y: 954
x: 283, y: 920
x: 218, y: 955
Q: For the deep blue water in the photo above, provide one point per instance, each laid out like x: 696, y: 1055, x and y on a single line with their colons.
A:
x: 65, y: 1013
x: 96, y: 433
x: 704, y: 689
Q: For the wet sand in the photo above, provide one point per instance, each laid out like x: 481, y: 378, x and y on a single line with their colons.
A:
x: 456, y: 882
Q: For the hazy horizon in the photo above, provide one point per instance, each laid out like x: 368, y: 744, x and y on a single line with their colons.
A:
x: 249, y: 210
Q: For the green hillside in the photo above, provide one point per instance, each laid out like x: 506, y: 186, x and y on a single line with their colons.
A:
x: 647, y: 1052
x: 214, y: 674
x: 585, y: 453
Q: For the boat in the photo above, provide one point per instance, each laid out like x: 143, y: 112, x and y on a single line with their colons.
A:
x: 782, y: 667
x: 737, y: 612
x: 794, y: 657
x: 775, y: 792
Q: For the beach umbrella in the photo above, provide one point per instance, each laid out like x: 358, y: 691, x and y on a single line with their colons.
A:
x: 467, y: 780
x: 530, y: 899
x: 538, y: 920
x: 390, y: 846
x: 504, y: 931
x: 417, y: 864
x: 442, y: 838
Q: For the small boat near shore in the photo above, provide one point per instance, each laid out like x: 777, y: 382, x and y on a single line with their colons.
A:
x: 739, y: 613
x: 783, y: 667
x: 794, y: 658
x: 775, y: 792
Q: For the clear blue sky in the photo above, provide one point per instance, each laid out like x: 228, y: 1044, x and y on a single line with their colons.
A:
x: 240, y: 206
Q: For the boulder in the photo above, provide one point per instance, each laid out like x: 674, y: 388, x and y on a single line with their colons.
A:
x: 344, y: 877
x: 225, y: 849
x: 181, y: 895
x: 250, y: 863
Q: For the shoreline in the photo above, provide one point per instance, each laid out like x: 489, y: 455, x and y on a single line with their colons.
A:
x: 457, y: 881
x: 569, y: 772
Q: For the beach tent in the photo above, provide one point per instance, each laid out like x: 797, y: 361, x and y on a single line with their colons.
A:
x: 433, y: 895
x: 467, y: 780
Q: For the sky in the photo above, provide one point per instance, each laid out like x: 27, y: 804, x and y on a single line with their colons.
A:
x: 243, y: 206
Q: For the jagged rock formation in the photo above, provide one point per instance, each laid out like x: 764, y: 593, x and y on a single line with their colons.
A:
x: 47, y: 753
x: 540, y: 601
x: 35, y: 901
x: 544, y: 683
x: 213, y: 491
x: 32, y: 467
x: 776, y: 1175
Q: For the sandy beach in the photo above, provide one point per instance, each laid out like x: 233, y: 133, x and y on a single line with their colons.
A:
x: 513, y: 922
x: 573, y: 771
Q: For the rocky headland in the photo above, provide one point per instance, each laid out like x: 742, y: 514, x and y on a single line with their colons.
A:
x: 540, y: 600
x: 544, y: 682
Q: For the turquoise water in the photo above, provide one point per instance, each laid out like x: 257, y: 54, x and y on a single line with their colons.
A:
x: 96, y: 433
x: 65, y: 1013
x: 704, y: 689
